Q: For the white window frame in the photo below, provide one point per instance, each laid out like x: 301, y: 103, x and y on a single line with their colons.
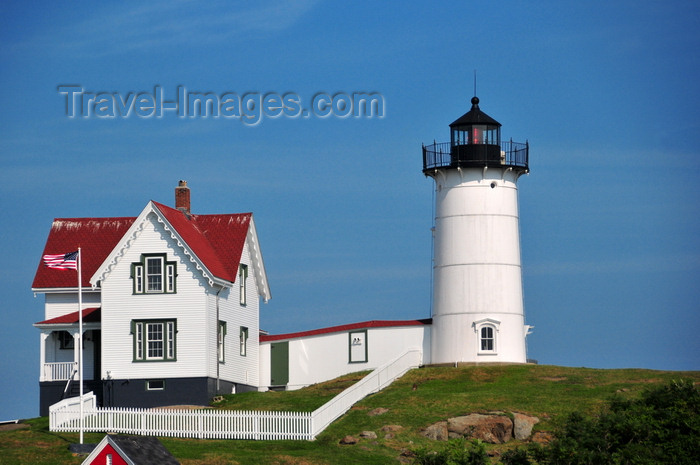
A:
x: 138, y: 341
x: 170, y: 339
x: 479, y: 327
x: 487, y: 338
x: 242, y: 285
x: 150, y: 387
x: 221, y: 341
x: 169, y: 277
x: 244, y: 341
x: 157, y: 286
x: 155, y: 340
x: 138, y: 277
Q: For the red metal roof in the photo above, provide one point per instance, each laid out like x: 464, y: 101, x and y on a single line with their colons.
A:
x: 217, y: 240
x: 343, y: 328
x: 96, y: 237
x: 90, y: 315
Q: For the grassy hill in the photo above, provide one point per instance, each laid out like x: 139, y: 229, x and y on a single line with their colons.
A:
x: 420, y: 398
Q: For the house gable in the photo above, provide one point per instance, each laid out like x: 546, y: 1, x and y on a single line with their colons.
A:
x: 160, y: 287
x: 213, y: 244
x: 152, y: 213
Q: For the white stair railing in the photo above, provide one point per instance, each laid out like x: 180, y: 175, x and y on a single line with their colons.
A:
x: 373, y: 382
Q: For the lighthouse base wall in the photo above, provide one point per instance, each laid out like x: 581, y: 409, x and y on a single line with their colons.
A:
x: 478, y: 338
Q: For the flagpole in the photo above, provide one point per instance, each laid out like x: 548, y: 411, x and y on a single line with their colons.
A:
x: 80, y: 338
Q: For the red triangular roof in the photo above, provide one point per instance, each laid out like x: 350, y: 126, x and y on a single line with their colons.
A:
x: 90, y: 315
x: 217, y: 240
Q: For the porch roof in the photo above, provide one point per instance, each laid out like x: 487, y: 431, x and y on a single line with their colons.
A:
x: 90, y: 315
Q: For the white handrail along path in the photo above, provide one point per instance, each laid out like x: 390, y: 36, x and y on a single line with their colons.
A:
x: 373, y: 382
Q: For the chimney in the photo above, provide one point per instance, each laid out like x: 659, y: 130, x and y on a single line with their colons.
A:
x: 182, y: 197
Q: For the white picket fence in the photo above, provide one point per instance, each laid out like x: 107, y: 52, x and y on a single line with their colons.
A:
x: 64, y: 416
x: 201, y: 424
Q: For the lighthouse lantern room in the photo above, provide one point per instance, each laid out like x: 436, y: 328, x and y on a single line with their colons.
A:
x: 477, y: 279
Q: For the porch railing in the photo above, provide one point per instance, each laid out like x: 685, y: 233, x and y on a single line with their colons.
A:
x: 58, y: 371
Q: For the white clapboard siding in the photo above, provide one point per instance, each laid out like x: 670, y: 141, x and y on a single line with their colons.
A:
x: 237, y: 368
x: 120, y: 306
x: 59, y: 304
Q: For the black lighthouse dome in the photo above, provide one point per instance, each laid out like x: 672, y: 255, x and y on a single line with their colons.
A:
x: 475, y: 128
x: 475, y: 141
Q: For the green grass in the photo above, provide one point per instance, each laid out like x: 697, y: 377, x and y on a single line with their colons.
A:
x: 415, y: 401
x: 303, y: 400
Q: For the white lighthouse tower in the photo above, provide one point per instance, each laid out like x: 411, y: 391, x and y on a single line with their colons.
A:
x: 477, y: 282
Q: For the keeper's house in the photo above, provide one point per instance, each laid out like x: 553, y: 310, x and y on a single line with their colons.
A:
x: 170, y: 307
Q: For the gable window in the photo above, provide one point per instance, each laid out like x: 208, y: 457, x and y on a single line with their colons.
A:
x: 154, y: 274
x: 154, y: 340
x: 242, y: 277
x: 244, y: 341
x: 220, y: 341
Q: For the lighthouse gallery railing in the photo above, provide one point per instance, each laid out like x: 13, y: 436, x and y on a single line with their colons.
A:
x: 445, y: 155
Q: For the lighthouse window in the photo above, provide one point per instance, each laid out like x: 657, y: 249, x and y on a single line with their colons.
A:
x: 487, y: 340
x: 477, y: 134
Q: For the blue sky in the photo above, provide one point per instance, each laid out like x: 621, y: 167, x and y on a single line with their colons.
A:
x: 605, y: 92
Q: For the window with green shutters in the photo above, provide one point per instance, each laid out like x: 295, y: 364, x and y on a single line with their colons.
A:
x: 154, y: 274
x: 154, y: 340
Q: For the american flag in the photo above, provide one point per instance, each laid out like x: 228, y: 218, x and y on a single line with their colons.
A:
x: 64, y: 261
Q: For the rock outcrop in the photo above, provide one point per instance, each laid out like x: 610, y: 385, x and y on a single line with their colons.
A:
x: 494, y: 428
